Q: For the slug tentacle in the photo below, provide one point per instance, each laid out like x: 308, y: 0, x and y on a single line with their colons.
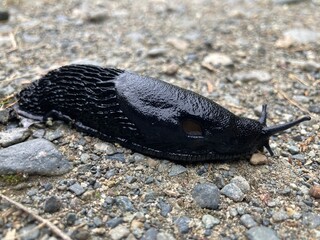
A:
x: 145, y: 114
x: 269, y: 131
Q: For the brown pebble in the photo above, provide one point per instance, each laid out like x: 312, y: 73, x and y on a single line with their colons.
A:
x: 171, y: 69
x: 315, y: 191
x: 258, y: 159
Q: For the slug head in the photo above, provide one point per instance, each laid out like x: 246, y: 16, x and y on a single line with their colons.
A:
x: 266, y: 131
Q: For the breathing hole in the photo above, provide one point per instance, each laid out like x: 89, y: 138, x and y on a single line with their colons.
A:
x: 192, y: 128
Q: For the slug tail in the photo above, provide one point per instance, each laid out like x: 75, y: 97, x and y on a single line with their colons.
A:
x: 269, y: 131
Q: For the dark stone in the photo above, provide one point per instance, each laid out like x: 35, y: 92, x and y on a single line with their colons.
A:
x: 37, y: 156
x: 206, y: 195
x: 71, y: 218
x: 183, y: 224
x: 52, y: 205
x: 164, y: 207
x: 112, y: 223
x: 124, y: 203
x: 150, y: 234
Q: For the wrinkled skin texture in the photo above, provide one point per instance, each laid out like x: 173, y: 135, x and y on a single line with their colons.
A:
x: 145, y: 114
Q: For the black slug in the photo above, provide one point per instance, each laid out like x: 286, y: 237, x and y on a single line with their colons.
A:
x: 145, y: 114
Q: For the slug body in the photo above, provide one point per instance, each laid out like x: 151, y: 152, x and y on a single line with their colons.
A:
x: 145, y: 114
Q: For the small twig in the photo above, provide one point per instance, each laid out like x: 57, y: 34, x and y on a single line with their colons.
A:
x: 294, y: 77
x: 292, y: 101
x: 13, y: 43
x: 50, y: 225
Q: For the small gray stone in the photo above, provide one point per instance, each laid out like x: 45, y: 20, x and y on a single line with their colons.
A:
x: 308, y: 66
x: 248, y: 221
x: 287, y: 1
x: 150, y: 234
x: 110, y: 173
x: 97, y: 221
x: 112, y: 223
x: 261, y: 233
x: 29, y: 232
x: 314, y: 108
x: 280, y: 216
x: 37, y: 156
x: 254, y: 75
x: 242, y: 183
x: 71, y: 218
x: 293, y: 149
x: 164, y: 207
x: 302, y: 35
x: 124, y: 203
x: 156, y: 52
x: 183, y: 224
x: 39, y: 133
x: 117, y: 156
x: 13, y: 136
x: 165, y: 236
x: 131, y: 179
x: 4, y: 116
x: 84, y: 158
x: 312, y: 220
x: 103, y: 147
x: 119, y: 232
x: 53, y: 135
x: 209, y: 221
x: 206, y: 195
x: 215, y: 60
x: 77, y: 189
x: 176, y: 170
x: 233, y: 192
x: 52, y: 205
x: 6, y: 91
x: 32, y: 192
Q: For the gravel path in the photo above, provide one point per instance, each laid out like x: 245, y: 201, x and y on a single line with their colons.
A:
x: 240, y: 53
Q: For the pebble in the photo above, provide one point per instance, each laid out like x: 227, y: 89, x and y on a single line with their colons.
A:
x: 183, y: 224
x: 4, y: 116
x: 165, y: 208
x: 32, y: 192
x: 150, y: 234
x: 53, y: 135
x: 102, y: 147
x: 300, y: 98
x: 254, y: 75
x: 97, y: 221
x: 178, y: 43
x: 77, y: 189
x: 34, y: 157
x: 13, y: 136
x: 248, y: 221
x: 293, y: 149
x: 215, y: 60
x: 124, y: 203
x: 302, y: 35
x: 171, y: 69
x: 119, y: 232
x: 117, y: 156
x: 312, y: 220
x: 176, y: 170
x: 233, y: 192
x: 287, y: 1
x: 242, y: 183
x: 165, y: 236
x: 261, y: 233
x: 258, y: 159
x: 29, y: 232
x: 71, y: 218
x: 308, y: 66
x: 156, y: 52
x: 209, y: 221
x: 112, y: 223
x: 206, y: 195
x: 4, y: 15
x: 52, y: 205
x: 280, y: 216
x: 315, y: 108
x: 315, y: 191
x: 6, y: 91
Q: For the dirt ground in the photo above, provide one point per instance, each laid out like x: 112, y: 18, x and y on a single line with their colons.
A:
x: 239, y: 53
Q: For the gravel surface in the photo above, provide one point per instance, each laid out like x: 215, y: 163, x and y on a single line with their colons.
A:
x: 240, y: 53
